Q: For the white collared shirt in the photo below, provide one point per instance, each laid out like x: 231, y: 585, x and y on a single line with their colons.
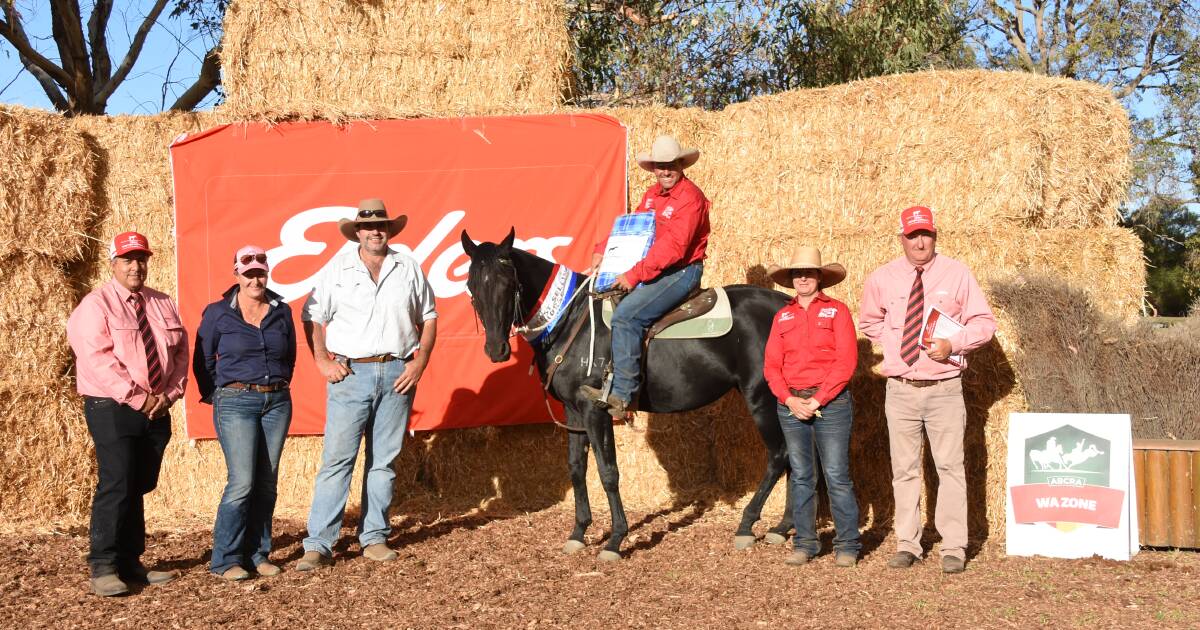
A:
x: 364, y: 319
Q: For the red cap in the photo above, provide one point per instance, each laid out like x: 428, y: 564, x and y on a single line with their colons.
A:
x: 126, y: 242
x: 916, y: 218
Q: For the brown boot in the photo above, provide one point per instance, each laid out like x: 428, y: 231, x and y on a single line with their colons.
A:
x: 109, y: 585
x: 235, y: 574
x: 267, y: 569
x: 379, y: 552
x: 141, y: 575
x: 313, y: 560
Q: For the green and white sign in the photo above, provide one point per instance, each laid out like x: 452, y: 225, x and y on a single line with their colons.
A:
x: 1070, y: 486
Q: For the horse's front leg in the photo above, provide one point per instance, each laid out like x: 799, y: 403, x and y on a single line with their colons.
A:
x: 577, y: 453
x: 601, y: 431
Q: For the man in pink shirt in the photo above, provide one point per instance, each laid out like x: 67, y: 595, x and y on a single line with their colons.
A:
x: 924, y: 388
x: 131, y: 365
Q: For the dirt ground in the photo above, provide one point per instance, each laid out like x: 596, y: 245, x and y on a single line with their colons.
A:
x: 680, y: 570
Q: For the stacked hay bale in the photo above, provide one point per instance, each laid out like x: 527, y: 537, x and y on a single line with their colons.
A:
x: 335, y: 60
x: 47, y: 174
x: 1025, y: 173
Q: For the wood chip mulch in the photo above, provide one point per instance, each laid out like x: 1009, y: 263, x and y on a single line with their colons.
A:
x: 680, y: 571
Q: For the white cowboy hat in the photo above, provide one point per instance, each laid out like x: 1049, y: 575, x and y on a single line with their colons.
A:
x: 667, y: 149
x: 371, y: 211
x: 806, y: 257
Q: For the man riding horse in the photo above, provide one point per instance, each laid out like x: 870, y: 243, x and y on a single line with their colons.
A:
x: 670, y: 271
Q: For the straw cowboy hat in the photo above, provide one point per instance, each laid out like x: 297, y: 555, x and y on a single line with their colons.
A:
x: 667, y: 149
x: 806, y: 257
x: 371, y: 211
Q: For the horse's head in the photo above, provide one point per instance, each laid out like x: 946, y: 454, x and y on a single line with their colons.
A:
x: 495, y: 291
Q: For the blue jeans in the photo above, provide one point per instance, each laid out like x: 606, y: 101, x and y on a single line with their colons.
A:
x: 251, y: 427
x: 831, y: 433
x: 636, y: 312
x: 361, y: 405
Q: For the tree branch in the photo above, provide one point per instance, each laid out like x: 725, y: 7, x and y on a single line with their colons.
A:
x: 135, y: 49
x: 98, y: 39
x: 14, y: 32
x: 1148, y: 65
x: 209, y: 79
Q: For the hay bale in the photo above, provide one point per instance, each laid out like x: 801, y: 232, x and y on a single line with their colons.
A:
x: 38, y: 299
x: 1098, y: 364
x: 134, y: 190
x: 336, y: 60
x: 984, y: 149
x: 47, y: 466
x: 46, y: 191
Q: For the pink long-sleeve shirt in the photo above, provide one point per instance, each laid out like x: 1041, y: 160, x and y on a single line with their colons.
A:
x: 949, y: 286
x: 110, y: 358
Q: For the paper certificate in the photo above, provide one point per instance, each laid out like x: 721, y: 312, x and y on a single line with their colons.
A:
x: 939, y: 325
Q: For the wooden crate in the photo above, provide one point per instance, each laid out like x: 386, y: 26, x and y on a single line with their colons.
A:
x: 1167, y: 473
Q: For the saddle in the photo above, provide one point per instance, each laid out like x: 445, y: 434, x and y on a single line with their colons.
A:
x: 704, y: 313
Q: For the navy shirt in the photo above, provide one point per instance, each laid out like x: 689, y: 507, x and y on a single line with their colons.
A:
x: 230, y: 350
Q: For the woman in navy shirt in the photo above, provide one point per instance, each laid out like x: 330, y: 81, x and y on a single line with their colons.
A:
x: 245, y: 354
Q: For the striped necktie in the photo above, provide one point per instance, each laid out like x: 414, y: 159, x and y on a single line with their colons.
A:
x: 913, y: 317
x: 153, y: 365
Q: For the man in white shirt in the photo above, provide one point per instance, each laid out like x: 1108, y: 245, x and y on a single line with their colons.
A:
x: 371, y: 324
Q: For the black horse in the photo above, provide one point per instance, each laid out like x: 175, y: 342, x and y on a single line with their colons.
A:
x: 681, y: 375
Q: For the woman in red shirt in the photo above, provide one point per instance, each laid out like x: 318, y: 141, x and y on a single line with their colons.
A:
x: 810, y: 356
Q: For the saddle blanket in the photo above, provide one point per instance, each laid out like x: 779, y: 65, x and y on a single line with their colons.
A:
x: 714, y: 323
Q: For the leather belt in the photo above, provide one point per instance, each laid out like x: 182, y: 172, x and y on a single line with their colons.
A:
x: 254, y: 387
x: 379, y: 358
x: 803, y: 393
x: 912, y: 382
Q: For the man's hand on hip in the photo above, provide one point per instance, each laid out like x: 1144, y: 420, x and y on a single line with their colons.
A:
x: 333, y: 371
x: 412, y: 373
x: 624, y: 282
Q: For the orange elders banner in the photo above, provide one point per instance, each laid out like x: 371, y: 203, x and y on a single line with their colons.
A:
x: 559, y: 180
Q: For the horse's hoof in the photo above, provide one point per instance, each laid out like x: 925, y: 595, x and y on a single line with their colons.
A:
x: 608, y: 556
x: 774, y: 539
x: 743, y: 542
x: 572, y: 546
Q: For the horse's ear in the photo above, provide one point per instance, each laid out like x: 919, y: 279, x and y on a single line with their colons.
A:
x: 506, y: 245
x: 468, y: 244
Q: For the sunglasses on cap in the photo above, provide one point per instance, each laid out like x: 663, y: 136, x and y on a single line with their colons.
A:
x: 367, y: 214
x: 249, y: 258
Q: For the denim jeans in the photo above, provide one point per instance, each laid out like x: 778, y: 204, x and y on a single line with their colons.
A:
x: 129, y: 452
x: 831, y: 434
x: 636, y: 312
x: 361, y: 405
x: 251, y: 427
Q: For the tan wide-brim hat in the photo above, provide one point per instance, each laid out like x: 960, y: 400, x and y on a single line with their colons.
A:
x: 371, y: 211
x: 807, y: 257
x: 667, y: 149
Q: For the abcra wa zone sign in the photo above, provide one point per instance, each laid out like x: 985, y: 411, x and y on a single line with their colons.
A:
x: 1069, y: 486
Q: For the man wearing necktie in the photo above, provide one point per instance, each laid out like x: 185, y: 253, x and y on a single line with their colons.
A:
x: 924, y: 388
x: 131, y: 365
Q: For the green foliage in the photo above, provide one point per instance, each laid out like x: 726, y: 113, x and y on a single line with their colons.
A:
x: 1170, y: 235
x: 712, y: 53
x: 830, y: 41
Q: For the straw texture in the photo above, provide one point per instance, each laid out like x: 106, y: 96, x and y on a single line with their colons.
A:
x: 337, y: 60
x: 46, y: 191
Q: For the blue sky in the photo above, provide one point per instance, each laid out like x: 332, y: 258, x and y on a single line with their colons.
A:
x: 170, y: 60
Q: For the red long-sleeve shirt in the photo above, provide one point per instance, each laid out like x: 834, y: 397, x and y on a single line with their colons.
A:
x: 813, y: 347
x: 680, y: 229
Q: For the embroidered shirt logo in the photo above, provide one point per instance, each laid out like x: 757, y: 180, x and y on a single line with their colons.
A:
x: 668, y: 212
x: 828, y: 311
x: 787, y: 316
